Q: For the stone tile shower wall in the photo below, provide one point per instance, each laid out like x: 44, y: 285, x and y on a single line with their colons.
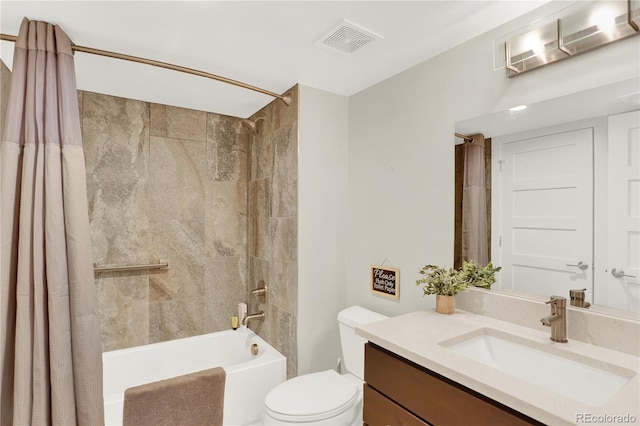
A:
x: 199, y: 189
x: 165, y: 182
x: 273, y: 225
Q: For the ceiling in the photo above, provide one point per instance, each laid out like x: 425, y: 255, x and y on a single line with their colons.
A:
x: 269, y: 44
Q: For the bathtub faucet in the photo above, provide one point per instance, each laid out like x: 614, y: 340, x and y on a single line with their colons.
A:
x: 249, y: 317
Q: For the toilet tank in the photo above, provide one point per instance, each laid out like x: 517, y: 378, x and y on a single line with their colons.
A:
x: 352, y: 344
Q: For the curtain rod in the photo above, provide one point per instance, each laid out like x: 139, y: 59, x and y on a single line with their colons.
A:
x: 284, y: 98
x: 465, y: 137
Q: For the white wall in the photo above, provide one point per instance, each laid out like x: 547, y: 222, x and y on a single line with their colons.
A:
x: 401, y: 157
x: 322, y: 214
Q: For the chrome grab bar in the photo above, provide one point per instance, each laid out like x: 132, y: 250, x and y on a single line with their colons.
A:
x: 163, y: 264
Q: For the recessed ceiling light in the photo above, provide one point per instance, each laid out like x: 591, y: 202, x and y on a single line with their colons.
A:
x: 518, y: 108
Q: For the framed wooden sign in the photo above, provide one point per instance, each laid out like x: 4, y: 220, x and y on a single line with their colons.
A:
x: 385, y: 281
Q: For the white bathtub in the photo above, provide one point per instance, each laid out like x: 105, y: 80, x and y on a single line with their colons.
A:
x: 249, y: 377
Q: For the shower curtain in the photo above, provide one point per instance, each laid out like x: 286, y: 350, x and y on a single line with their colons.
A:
x: 50, y: 350
x: 474, y: 204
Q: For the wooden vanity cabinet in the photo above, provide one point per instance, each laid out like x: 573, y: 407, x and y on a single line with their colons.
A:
x: 400, y: 392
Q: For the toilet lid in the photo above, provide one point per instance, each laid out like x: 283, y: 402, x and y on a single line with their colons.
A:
x: 312, y: 396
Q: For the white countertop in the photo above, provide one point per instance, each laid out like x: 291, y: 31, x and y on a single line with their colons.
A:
x: 416, y: 337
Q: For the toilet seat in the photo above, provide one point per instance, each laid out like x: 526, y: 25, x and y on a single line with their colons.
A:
x: 311, y: 397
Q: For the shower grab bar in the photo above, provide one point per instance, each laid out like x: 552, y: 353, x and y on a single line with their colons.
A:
x: 164, y: 264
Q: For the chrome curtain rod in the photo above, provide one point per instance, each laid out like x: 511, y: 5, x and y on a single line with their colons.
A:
x: 284, y: 98
x: 465, y: 137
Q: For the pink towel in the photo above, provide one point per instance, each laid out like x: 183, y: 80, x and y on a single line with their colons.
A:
x: 194, y: 399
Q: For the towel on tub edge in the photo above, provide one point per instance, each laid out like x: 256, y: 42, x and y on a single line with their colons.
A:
x: 192, y: 399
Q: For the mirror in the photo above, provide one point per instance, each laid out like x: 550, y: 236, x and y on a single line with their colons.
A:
x: 566, y: 140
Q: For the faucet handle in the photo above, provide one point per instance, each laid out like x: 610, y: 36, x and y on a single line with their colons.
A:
x: 558, y: 301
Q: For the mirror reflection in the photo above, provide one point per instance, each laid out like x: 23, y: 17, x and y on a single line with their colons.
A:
x: 562, y: 189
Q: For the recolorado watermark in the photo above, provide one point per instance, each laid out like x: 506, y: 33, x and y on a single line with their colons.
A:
x: 590, y: 418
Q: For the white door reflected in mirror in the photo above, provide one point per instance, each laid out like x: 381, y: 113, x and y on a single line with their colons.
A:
x: 622, y: 285
x: 545, y: 211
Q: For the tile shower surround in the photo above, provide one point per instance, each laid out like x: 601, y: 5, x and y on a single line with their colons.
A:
x: 203, y: 191
x: 273, y: 225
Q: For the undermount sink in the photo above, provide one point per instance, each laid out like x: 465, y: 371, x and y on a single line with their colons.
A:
x: 584, y: 379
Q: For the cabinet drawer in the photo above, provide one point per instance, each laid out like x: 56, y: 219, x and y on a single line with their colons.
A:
x: 381, y: 411
x: 431, y: 397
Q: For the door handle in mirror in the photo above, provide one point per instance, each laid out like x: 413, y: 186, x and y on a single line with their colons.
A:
x: 581, y: 265
x: 619, y: 273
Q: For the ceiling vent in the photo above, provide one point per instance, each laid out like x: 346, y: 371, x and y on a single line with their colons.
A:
x: 347, y: 37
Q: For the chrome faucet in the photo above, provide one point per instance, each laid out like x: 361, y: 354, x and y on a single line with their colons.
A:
x: 249, y: 317
x: 558, y: 319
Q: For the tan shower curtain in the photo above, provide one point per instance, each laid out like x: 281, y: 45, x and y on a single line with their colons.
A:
x: 474, y: 205
x: 50, y: 351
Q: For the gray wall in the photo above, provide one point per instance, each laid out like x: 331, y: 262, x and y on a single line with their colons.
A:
x: 322, y: 229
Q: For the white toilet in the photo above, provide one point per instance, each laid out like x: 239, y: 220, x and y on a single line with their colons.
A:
x: 326, y: 398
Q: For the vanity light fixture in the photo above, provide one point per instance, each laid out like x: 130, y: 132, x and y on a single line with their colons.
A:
x: 596, y: 25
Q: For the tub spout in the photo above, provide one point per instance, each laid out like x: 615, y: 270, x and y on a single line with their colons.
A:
x: 249, y: 317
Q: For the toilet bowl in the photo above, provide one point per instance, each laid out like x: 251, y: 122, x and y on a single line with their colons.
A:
x: 324, y: 398
x: 327, y: 397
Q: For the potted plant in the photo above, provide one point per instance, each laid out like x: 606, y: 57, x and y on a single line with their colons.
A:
x: 446, y: 283
x: 479, y: 276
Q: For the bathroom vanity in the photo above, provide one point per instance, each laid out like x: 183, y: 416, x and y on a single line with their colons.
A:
x: 427, y: 368
x: 393, y: 383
